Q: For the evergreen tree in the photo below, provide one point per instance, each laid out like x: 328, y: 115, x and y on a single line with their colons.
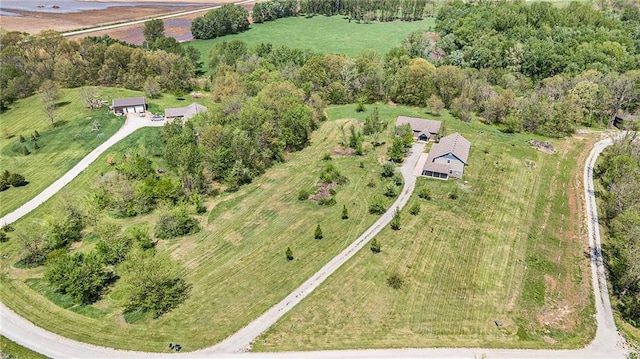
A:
x: 345, y: 213
x: 395, y: 222
x: 289, y: 254
x: 318, y: 233
x: 375, y: 246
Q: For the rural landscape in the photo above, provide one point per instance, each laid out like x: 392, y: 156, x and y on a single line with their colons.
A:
x: 320, y: 178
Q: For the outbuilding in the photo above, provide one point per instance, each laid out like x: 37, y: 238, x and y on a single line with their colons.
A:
x: 129, y: 105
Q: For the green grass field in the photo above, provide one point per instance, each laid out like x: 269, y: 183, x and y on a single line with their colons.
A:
x: 63, y: 146
x: 238, y: 268
x: 237, y: 265
x: 11, y: 350
x: 508, y: 249
x: 323, y: 35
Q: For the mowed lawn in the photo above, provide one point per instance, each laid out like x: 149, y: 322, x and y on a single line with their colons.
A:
x: 63, y: 146
x: 509, y: 248
x: 10, y: 349
x: 322, y: 34
x: 237, y: 264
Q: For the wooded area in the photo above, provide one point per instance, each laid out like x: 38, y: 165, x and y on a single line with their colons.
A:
x: 619, y: 174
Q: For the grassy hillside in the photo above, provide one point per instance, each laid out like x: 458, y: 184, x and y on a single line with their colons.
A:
x: 323, y: 34
x: 61, y: 147
x: 237, y: 265
x: 508, y: 249
x: 11, y: 350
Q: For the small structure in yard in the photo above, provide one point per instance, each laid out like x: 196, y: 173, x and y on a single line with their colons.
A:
x: 447, y: 158
x: 625, y: 122
x: 129, y: 105
x: 184, y: 113
x: 423, y: 129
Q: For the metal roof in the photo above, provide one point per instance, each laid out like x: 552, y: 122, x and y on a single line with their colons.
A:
x: 127, y: 102
x: 420, y: 124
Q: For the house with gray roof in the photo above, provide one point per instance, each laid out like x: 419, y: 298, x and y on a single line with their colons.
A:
x: 423, y: 129
x: 184, y: 112
x: 129, y: 105
x: 447, y: 158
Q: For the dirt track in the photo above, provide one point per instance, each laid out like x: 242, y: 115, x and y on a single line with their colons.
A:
x: 33, y: 22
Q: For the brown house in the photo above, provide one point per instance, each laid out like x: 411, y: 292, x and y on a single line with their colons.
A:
x: 423, y: 130
x: 129, y: 105
x: 184, y: 112
x: 447, y: 158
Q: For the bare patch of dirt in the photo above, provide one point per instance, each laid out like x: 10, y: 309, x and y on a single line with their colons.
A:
x: 323, y: 191
x: 547, y: 339
x: 120, y: 320
x: 343, y: 151
x: 391, y: 103
x: 556, y: 317
x: 545, y: 147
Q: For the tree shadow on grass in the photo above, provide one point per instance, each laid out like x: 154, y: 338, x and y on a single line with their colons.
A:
x: 62, y: 104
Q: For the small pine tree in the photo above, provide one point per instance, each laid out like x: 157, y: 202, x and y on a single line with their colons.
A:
x: 289, y: 254
x: 3, y: 237
x: 21, y: 139
x: 395, y: 281
x: 395, y: 222
x: 36, y: 146
x: 33, y: 137
x: 36, y: 134
x: 424, y: 193
x: 25, y: 151
x: 391, y: 190
x: 415, y: 209
x: 375, y: 246
x: 318, y: 233
x: 345, y: 213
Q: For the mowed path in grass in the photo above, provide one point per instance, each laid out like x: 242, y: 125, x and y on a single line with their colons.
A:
x: 236, y: 264
x: 322, y: 34
x: 508, y: 249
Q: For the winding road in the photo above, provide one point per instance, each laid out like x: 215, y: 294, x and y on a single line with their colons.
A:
x: 606, y: 344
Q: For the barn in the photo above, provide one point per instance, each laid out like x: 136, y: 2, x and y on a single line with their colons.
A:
x: 129, y: 105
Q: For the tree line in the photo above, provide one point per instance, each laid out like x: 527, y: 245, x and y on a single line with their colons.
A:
x: 29, y: 61
x: 618, y: 172
x: 232, y: 19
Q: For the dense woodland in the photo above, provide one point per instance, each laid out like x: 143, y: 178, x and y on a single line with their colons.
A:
x: 532, y: 68
x: 619, y: 174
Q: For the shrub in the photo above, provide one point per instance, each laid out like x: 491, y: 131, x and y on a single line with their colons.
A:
x: 395, y: 222
x: 3, y: 237
x: 415, y: 209
x: 175, y: 224
x: 345, y: 212
x: 21, y: 139
x: 453, y: 195
x: 377, y: 205
x: 375, y: 246
x: 25, y: 151
x: 4, y: 185
x: 331, y: 174
x: 424, y: 193
x: 329, y: 201
x: 318, y: 233
x: 36, y: 146
x: 17, y: 180
x: 36, y: 134
x: 372, y: 184
x: 388, y: 170
x: 360, y: 107
x: 391, y: 190
x: 395, y: 281
x: 326, y: 156
x: 303, y: 194
x: 289, y: 254
x: 397, y: 179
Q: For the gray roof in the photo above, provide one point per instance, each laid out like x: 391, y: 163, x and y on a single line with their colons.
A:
x: 126, y: 102
x: 454, y: 144
x: 185, y: 112
x: 436, y: 167
x: 420, y: 124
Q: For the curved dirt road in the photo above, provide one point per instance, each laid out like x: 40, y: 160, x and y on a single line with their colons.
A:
x: 607, y: 343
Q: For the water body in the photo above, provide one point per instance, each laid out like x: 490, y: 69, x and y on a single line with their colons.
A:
x: 69, y: 6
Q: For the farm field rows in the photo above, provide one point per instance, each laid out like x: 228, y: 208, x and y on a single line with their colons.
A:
x: 322, y: 34
x: 508, y: 249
